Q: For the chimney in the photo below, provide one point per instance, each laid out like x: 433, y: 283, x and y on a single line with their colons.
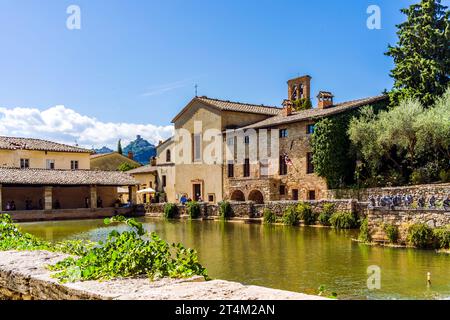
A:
x: 287, y: 108
x: 325, y: 100
x: 153, y: 161
x: 130, y: 155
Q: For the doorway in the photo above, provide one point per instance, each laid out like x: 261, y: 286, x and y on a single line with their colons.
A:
x: 295, y: 194
x: 197, y: 188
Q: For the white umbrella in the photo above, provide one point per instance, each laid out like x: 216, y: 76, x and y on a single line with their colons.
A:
x: 148, y: 190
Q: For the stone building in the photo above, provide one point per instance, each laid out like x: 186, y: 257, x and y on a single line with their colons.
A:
x: 286, y: 173
x: 41, y: 176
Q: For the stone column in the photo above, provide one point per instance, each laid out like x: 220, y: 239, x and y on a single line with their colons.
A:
x: 48, y: 198
x: 132, y: 194
x: 93, y: 197
x: 1, y: 204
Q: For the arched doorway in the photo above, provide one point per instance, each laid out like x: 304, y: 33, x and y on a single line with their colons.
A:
x: 256, y: 196
x: 238, y: 195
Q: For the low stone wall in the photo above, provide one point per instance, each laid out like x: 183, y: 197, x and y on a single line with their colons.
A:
x: 252, y: 210
x: 23, y: 276
x: 440, y: 191
x: 403, y: 218
x: 67, y: 214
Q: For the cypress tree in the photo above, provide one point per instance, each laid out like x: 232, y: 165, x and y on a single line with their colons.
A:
x: 422, y: 53
x: 119, y: 147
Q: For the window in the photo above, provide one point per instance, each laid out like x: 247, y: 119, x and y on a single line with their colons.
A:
x: 283, y: 133
x: 310, y: 128
x: 264, y: 167
x: 24, y: 163
x: 283, y: 166
x: 74, y: 165
x: 309, y: 163
x: 197, y: 147
x: 50, y: 164
x: 230, y: 141
x: 247, y: 139
x: 164, y: 181
x: 230, y: 170
x: 168, y: 156
x: 211, y: 197
x: 282, y: 190
x: 312, y: 195
x: 247, y: 168
x: 150, y: 184
x: 295, y: 194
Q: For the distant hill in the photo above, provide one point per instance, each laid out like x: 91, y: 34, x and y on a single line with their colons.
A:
x: 103, y: 150
x: 142, y: 150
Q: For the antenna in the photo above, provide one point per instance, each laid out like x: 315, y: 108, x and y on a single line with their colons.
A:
x: 196, y: 87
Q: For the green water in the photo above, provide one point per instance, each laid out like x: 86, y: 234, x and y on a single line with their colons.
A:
x: 290, y: 258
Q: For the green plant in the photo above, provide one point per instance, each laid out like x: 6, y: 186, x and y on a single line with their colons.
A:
x: 343, y: 220
x: 420, y: 235
x: 302, y: 104
x: 225, y: 210
x: 269, y: 216
x: 193, y: 209
x: 364, y: 232
x: 442, y: 237
x: 170, y: 210
x: 290, y: 216
x: 323, y: 291
x: 305, y: 213
x: 444, y: 175
x: 325, y: 215
x: 125, y: 166
x: 392, y: 232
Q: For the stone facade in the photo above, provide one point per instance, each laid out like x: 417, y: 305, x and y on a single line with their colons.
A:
x: 426, y: 190
x: 403, y: 218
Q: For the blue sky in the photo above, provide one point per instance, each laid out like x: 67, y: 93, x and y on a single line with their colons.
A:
x: 137, y: 61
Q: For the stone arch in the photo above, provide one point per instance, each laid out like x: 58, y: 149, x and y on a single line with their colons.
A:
x: 256, y: 196
x: 237, y: 195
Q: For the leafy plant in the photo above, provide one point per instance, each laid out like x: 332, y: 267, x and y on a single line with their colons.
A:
x: 305, y: 213
x: 269, y: 216
x: 170, y: 210
x: 193, y: 209
x: 442, y: 237
x: 364, y: 232
x: 125, y: 166
x: 323, y: 291
x: 420, y: 235
x: 343, y: 220
x: 225, y: 210
x: 290, y: 216
x: 392, y: 232
x: 327, y: 211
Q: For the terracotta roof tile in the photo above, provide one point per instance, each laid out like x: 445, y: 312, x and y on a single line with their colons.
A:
x: 64, y: 177
x: 14, y: 143
x: 143, y: 169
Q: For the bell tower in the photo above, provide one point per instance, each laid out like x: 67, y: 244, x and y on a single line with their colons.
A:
x: 299, y: 88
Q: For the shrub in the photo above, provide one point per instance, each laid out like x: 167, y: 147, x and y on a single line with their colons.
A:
x: 290, y: 216
x: 305, y: 213
x: 343, y: 220
x: 392, y: 232
x: 444, y: 175
x: 442, y: 238
x: 420, y: 235
x: 269, y: 216
x: 225, y: 210
x: 364, y: 232
x: 325, y: 215
x: 193, y: 209
x: 170, y: 210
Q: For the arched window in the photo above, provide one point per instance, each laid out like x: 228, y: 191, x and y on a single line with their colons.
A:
x: 168, y: 156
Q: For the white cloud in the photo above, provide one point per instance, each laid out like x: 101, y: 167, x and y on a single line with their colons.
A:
x: 65, y: 125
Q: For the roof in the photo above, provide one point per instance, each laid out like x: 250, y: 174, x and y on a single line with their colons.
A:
x: 164, y: 142
x: 100, y: 155
x: 315, y: 113
x: 13, y: 143
x: 325, y: 94
x: 225, y: 105
x: 64, y: 177
x: 143, y: 169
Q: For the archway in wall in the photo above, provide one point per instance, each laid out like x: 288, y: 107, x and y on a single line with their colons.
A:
x: 256, y: 196
x: 237, y: 195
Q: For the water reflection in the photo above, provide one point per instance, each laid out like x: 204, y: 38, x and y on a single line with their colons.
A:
x: 297, y: 259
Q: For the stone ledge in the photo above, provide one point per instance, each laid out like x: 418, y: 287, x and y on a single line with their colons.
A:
x: 23, y: 276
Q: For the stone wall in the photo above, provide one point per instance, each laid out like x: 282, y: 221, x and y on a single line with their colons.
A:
x: 425, y: 190
x: 24, y: 276
x: 252, y: 210
x: 403, y: 218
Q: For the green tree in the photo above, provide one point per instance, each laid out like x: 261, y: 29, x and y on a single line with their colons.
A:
x: 119, y: 147
x: 421, y: 56
x: 125, y: 166
x: 302, y: 104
